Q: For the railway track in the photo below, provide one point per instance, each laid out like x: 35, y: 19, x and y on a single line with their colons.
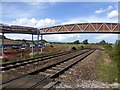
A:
x: 17, y: 72
x: 14, y: 65
x: 46, y: 75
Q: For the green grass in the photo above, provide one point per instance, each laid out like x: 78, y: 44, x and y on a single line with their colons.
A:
x: 8, y: 41
x: 70, y: 45
x: 107, y: 71
x: 15, y: 59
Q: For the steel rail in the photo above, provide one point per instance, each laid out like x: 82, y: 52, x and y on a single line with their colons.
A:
x: 39, y: 69
x: 15, y: 65
x: 50, y: 66
x: 55, y: 75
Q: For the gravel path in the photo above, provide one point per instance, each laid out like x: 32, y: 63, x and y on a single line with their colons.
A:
x: 83, y: 75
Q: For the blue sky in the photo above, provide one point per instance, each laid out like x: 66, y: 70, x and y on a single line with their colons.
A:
x: 46, y: 14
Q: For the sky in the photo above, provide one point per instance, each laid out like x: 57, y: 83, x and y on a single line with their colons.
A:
x: 46, y: 14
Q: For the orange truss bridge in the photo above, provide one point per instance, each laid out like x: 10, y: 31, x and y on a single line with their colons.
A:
x: 82, y: 28
x: 61, y: 29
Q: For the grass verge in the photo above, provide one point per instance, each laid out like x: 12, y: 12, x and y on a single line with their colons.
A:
x: 109, y: 68
x: 107, y: 71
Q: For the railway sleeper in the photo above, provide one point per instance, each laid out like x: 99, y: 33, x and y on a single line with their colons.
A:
x: 60, y: 66
x: 56, y: 68
x: 50, y: 85
x: 50, y: 71
x: 45, y: 74
x: 24, y: 82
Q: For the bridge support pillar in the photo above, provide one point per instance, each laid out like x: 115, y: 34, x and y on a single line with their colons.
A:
x: 41, y: 42
x: 38, y: 43
x: 32, y: 45
x: 2, y: 44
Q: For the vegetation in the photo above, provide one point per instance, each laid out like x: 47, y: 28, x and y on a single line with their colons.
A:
x: 116, y: 51
x: 113, y: 51
x: 76, y: 42
x: 8, y: 60
x: 109, y: 69
x: 81, y: 47
x: 73, y: 48
x: 10, y: 41
x: 102, y: 42
x: 85, y: 41
x: 5, y: 60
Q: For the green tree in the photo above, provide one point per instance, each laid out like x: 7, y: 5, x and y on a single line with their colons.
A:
x: 102, y: 42
x: 76, y: 42
x: 85, y: 41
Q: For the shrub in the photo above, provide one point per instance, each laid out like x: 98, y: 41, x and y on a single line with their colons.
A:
x: 51, y: 45
x: 76, y: 42
x: 5, y: 60
x: 85, y: 41
x: 73, y: 48
x: 116, y: 51
x: 81, y: 47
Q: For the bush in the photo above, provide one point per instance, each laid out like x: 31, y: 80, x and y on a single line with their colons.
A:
x: 76, y: 42
x: 85, y: 41
x: 5, y: 60
x: 112, y: 74
x: 73, y: 48
x: 81, y: 47
x: 51, y: 45
x: 116, y: 51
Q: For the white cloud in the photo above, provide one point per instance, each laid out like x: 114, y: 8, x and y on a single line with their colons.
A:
x: 61, y: 37
x: 104, y: 36
x: 90, y: 19
x: 113, y: 14
x: 101, y: 10
x: 34, y: 22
